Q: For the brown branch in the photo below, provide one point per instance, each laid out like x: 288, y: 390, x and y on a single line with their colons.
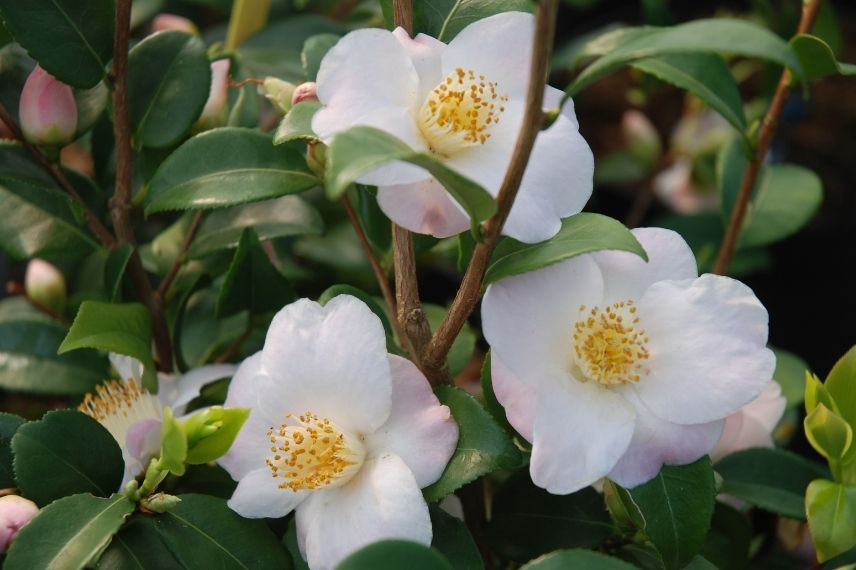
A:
x: 168, y: 280
x: 120, y: 203
x: 402, y: 15
x: 469, y: 292
x: 56, y: 173
x: 765, y: 137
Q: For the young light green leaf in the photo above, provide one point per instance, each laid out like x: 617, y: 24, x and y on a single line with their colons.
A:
x: 828, y: 433
x: 831, y: 509
x: 225, y: 167
x: 297, y: 123
x: 582, y: 233
x: 578, y: 560
x: 173, y: 451
x: 816, y: 393
x: 817, y: 58
x: 211, y: 432
x: 390, y: 554
x: 841, y: 386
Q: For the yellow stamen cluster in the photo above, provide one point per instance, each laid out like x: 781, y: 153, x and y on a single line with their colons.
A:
x: 113, y: 398
x: 608, y: 346
x: 309, y: 452
x: 460, y: 111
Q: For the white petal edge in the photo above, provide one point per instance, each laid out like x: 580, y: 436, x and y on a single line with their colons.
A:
x: 424, y: 208
x: 178, y: 392
x: 425, y: 53
x: 517, y: 398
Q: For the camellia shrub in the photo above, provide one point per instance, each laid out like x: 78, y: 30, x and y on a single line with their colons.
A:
x: 340, y: 285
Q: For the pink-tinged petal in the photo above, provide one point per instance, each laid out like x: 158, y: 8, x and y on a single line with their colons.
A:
x: 15, y: 512
x: 329, y: 360
x: 657, y: 442
x: 258, y: 496
x: 172, y: 22
x: 177, y: 393
x: 528, y: 319
x: 420, y: 430
x: 424, y: 208
x: 425, y: 52
x: 144, y: 438
x: 381, y: 502
x: 518, y: 398
x: 768, y: 408
x: 628, y: 276
x: 47, y: 109
x: 752, y: 425
x: 219, y: 94
x: 581, y: 431
x: 708, y: 354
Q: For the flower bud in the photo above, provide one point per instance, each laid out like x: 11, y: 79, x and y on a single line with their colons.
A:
x: 159, y: 502
x: 215, y: 108
x: 173, y: 22
x: 15, y: 512
x: 48, y: 111
x: 641, y: 138
x: 45, y: 285
x: 316, y: 158
x: 305, y: 92
x: 279, y: 93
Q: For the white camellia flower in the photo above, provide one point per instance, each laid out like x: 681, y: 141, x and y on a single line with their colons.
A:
x: 753, y: 424
x: 613, y: 367
x: 339, y: 430
x: 133, y: 416
x: 463, y: 103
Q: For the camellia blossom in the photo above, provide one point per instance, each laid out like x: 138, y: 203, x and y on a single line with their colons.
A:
x: 753, y: 424
x: 613, y: 367
x: 463, y: 103
x: 339, y: 431
x: 133, y: 416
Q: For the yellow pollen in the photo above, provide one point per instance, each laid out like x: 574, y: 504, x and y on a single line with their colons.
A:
x: 609, y: 348
x: 308, y: 452
x: 459, y: 112
x: 114, y: 397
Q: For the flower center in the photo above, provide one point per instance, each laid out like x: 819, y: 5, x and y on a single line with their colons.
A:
x: 308, y: 452
x: 118, y: 404
x: 608, y: 345
x: 460, y: 111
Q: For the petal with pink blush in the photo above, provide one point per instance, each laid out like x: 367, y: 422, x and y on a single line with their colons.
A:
x: 517, y: 398
x: 423, y: 207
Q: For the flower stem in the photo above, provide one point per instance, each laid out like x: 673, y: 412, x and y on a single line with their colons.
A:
x: 765, y: 137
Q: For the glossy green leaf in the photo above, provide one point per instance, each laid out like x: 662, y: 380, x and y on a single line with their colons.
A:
x: 114, y: 270
x: 252, y: 282
x: 69, y: 533
x: 211, y: 432
x: 392, y: 554
x: 138, y: 546
x: 226, y: 167
x: 841, y: 386
x: 718, y: 35
x: 9, y: 424
x: 361, y: 149
x: 706, y: 76
x: 582, y: 233
x: 169, y: 79
x: 790, y: 374
x: 677, y: 506
x: 828, y: 433
x: 297, y: 123
x: 71, y: 39
x: 831, y: 511
x: 121, y: 328
x: 314, y: 50
x: 345, y: 289
x: 483, y: 446
x: 454, y: 541
x: 80, y: 455
x: 622, y: 509
x: 772, y: 479
x: 817, y: 58
x: 443, y: 19
x: 527, y: 521
x: 578, y: 560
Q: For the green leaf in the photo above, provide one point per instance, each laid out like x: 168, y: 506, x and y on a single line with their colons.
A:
x: 314, y: 50
x: 9, y: 424
x: 700, y: 563
x: 297, y: 123
x: 138, y: 546
x: 728, y: 542
x: 623, y: 511
x: 817, y: 58
x: 772, y: 479
x: 211, y: 432
x: 491, y: 404
x: 790, y: 374
x: 71, y: 39
x: 677, y: 506
x: 828, y: 433
x: 169, y: 79
x: 483, y: 446
x: 706, y: 76
x: 527, y: 521
x: 376, y: 225
x: 454, y: 541
x: 390, y: 554
x: 252, y: 282
x: 114, y: 270
x: 78, y: 452
x: 360, y: 149
x: 578, y: 560
x: 173, y: 448
x: 344, y: 289
x: 582, y: 233
x: 121, y: 328
x: 69, y: 533
x: 718, y: 35
x: 90, y: 103
x: 443, y: 19
x: 831, y: 511
x: 226, y: 167
x: 290, y: 541
x: 280, y: 217
x: 464, y: 345
x: 841, y: 386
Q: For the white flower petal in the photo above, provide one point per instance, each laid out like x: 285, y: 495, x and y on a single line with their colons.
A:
x: 752, y: 425
x: 552, y: 96
x: 528, y: 319
x: 398, y: 122
x: 382, y: 501
x: 581, y: 431
x: 419, y: 430
x: 425, y: 53
x: 708, y: 350
x: 627, y: 276
x: 185, y: 388
x: 329, y: 360
x: 424, y: 208
x: 259, y: 496
x: 767, y: 409
x: 127, y: 366
x: 517, y: 398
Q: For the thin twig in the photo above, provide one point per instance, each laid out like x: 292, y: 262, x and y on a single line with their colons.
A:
x: 765, y: 137
x: 235, y: 347
x: 167, y: 282
x: 468, y: 293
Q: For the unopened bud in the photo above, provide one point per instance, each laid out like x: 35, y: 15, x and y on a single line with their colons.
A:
x: 214, y: 112
x: 47, y: 110
x: 45, y: 286
x: 15, y: 512
x: 159, y: 502
x: 305, y: 92
x: 279, y: 93
x: 641, y: 138
x: 173, y: 22
x: 316, y: 158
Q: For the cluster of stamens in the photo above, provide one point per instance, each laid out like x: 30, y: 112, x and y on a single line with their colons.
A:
x: 460, y: 111
x: 608, y: 346
x: 308, y: 452
x: 118, y: 404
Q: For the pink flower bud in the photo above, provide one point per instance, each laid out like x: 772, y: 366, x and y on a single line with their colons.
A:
x: 214, y: 108
x: 15, y: 512
x: 305, y: 92
x: 172, y: 22
x: 47, y: 110
x: 45, y: 285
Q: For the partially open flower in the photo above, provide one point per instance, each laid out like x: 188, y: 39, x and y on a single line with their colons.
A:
x: 173, y: 22
x: 47, y: 109
x: 463, y: 103
x: 753, y: 424
x: 340, y: 431
x: 613, y: 367
x: 15, y: 512
x: 214, y: 112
